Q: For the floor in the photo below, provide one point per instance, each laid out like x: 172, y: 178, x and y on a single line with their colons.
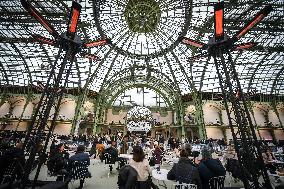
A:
x: 101, y: 179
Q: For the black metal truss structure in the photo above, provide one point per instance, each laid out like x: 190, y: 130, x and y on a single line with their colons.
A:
x: 39, y: 132
x: 244, y: 136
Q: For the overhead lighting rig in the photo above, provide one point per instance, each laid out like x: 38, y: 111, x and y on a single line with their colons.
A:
x: 221, y: 38
x: 69, y: 41
x: 52, y: 91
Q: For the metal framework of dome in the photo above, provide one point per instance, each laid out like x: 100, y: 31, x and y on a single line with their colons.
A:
x: 260, y: 69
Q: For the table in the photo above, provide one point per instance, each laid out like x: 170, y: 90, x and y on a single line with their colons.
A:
x: 175, y: 159
x: 276, y: 176
x: 276, y: 162
x: 160, y: 176
x: 126, y: 156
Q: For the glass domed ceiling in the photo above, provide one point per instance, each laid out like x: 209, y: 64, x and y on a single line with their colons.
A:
x: 143, y: 27
x: 146, y: 38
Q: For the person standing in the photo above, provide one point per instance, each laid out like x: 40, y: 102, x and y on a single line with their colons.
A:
x: 157, y: 153
x: 100, y: 148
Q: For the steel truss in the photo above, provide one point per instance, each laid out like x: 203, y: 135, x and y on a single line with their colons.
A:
x: 51, y: 97
x: 245, y: 140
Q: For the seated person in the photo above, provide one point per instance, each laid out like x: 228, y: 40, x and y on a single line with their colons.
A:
x: 209, y: 168
x: 100, y: 148
x: 10, y: 156
x: 268, y: 158
x: 176, y: 152
x: 113, y: 151
x: 184, y: 171
x: 58, y: 161
x: 141, y: 165
x: 83, y: 157
x: 188, y: 149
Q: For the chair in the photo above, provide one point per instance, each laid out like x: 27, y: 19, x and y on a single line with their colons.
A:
x: 53, y: 171
x: 13, y: 171
x: 61, y: 174
x: 274, y: 175
x: 217, y: 182
x: 9, y: 173
x: 79, y: 170
x: 110, y: 161
x: 55, y: 185
x: 184, y: 186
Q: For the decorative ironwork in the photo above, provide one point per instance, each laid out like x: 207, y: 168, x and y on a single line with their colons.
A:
x: 142, y: 16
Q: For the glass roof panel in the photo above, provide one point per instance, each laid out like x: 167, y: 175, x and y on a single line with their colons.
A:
x: 143, y: 34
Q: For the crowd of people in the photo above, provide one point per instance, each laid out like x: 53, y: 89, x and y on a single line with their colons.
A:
x: 193, y: 166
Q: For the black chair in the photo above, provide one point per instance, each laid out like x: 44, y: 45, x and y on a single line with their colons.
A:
x: 13, y: 171
x: 79, y: 170
x: 61, y: 174
x: 109, y: 160
x: 55, y: 185
x: 217, y: 182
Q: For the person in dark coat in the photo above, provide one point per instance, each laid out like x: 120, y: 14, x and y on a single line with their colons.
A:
x: 157, y: 153
x: 174, y: 144
x: 58, y: 161
x: 13, y: 155
x: 52, y: 146
x: 209, y: 168
x: 93, y: 148
x: 127, y: 177
x: 124, y: 146
x: 112, y: 150
x: 170, y: 141
x: 81, y: 156
x: 184, y: 171
x: 161, y: 139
